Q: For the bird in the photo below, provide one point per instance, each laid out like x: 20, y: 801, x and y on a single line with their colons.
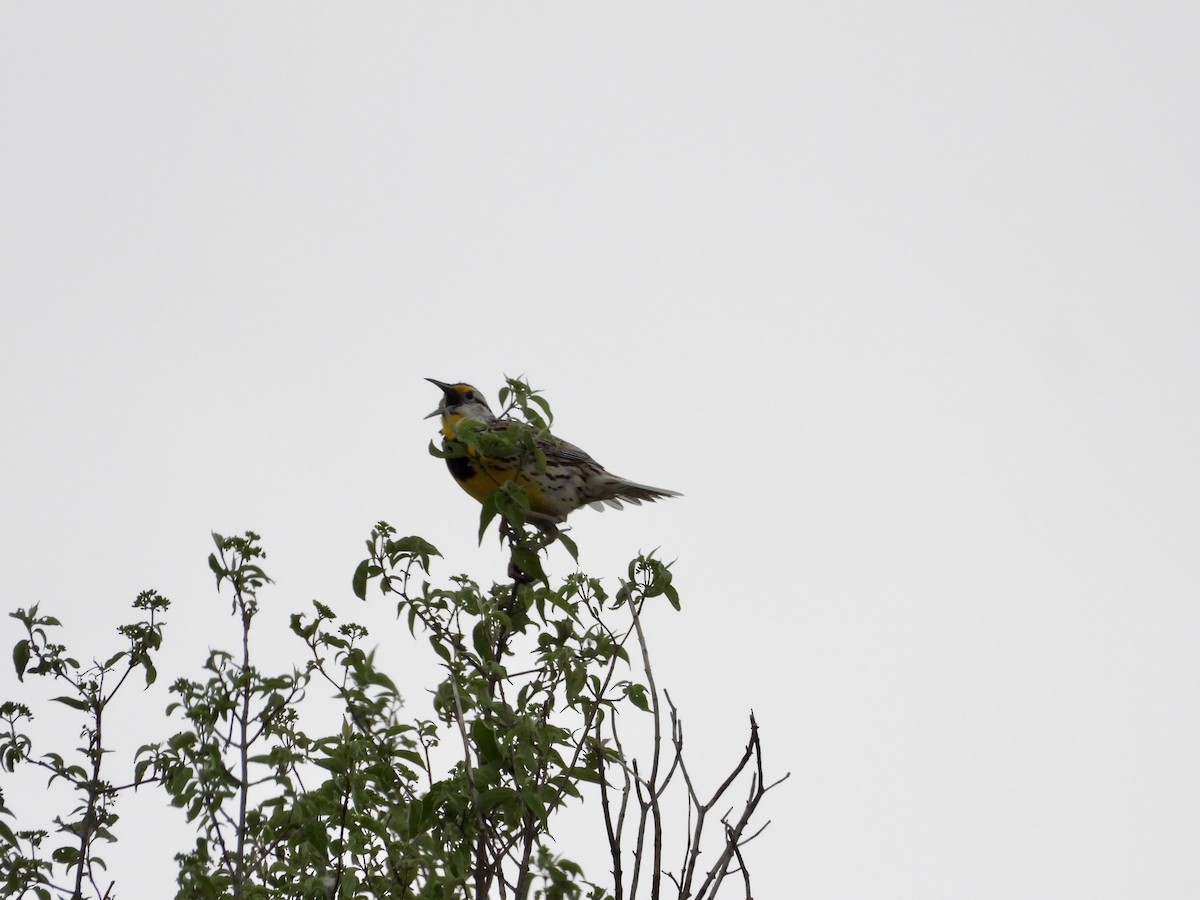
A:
x: 569, y: 480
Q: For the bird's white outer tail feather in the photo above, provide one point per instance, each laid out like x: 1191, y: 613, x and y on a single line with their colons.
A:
x: 613, y: 490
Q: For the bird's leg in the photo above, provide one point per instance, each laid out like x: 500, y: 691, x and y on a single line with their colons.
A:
x: 514, y: 537
x: 549, y: 534
x: 518, y: 575
x: 548, y: 526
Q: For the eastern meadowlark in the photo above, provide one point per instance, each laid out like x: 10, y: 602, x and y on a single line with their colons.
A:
x: 569, y: 479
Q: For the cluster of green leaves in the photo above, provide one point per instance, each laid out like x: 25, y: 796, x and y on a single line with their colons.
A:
x: 529, y: 674
x: 66, y: 861
x: 457, y: 804
x: 460, y: 803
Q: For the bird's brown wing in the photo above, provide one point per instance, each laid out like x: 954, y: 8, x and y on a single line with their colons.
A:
x: 555, y: 449
x: 566, y: 452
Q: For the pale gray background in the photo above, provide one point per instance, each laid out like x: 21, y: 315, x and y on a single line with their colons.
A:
x: 901, y: 296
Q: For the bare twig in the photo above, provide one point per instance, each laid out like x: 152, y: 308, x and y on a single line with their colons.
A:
x: 734, y: 832
x: 653, y: 792
x: 481, y: 878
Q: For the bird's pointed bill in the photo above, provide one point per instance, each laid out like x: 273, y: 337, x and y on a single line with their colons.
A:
x: 448, y: 390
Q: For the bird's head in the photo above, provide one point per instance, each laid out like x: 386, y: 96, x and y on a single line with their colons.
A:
x: 460, y: 401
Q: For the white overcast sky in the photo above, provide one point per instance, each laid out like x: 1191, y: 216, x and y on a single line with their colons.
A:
x: 902, y: 297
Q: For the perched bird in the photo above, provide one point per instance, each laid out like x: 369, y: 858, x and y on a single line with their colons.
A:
x: 570, y: 478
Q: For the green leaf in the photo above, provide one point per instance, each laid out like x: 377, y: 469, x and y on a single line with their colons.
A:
x: 21, y: 658
x: 570, y: 546
x: 439, y: 648
x: 359, y: 581
x: 73, y: 702
x: 581, y: 773
x: 530, y: 563
x: 672, y: 596
x: 637, y: 696
x: 414, y: 546
x: 482, y: 638
x: 488, y: 512
x: 65, y: 855
x: 535, y: 804
x: 485, y: 742
x: 541, y: 401
x: 216, y: 566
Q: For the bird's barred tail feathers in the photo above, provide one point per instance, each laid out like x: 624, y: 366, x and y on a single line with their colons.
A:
x: 612, y: 490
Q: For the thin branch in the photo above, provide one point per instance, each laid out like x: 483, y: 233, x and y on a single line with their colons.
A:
x: 612, y: 832
x: 656, y: 712
x: 737, y: 850
x: 468, y: 768
x: 734, y: 833
x: 243, y: 746
x: 626, y: 787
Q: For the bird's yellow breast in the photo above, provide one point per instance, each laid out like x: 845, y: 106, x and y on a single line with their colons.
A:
x: 449, y: 423
x: 480, y: 475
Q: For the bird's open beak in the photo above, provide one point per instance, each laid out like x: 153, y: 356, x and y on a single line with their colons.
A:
x: 448, y: 390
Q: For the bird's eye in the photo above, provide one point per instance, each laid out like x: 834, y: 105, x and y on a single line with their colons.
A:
x: 469, y: 395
